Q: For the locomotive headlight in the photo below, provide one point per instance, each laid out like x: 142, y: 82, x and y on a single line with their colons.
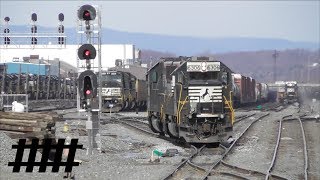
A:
x: 221, y: 116
x: 204, y: 66
x: 190, y: 116
x: 115, y: 101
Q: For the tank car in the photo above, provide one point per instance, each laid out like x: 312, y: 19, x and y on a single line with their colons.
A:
x: 190, y: 98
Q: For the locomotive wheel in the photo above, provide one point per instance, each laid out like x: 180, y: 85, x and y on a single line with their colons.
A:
x: 126, y: 104
x: 155, y: 124
x: 133, y: 104
x: 172, y: 130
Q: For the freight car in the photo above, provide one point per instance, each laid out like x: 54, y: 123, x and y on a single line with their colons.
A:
x: 38, y: 87
x: 122, y: 91
x: 244, y: 89
x: 281, y: 91
x: 262, y: 92
x: 247, y: 91
x: 190, y: 98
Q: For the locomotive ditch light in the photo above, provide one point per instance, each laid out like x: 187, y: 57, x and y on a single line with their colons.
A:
x: 87, y: 51
x: 87, y: 13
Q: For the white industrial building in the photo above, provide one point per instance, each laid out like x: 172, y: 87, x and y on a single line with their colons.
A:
x: 109, y: 53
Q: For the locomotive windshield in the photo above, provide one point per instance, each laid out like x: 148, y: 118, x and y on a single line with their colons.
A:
x: 112, y: 77
x: 203, y: 75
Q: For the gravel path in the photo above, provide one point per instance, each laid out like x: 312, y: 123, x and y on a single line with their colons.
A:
x: 127, y: 154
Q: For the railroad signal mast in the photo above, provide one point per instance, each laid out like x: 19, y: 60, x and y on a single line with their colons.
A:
x: 89, y: 26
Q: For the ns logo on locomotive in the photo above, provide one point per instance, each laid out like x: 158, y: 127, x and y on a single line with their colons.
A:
x: 191, y: 99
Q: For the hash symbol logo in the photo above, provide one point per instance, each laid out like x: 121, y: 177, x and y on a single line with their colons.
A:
x: 46, y: 146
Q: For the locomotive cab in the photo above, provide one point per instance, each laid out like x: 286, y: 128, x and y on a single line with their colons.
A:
x: 291, y: 89
x: 111, y: 89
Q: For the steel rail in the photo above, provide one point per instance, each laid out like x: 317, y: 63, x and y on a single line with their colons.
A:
x: 231, y: 147
x: 196, y: 152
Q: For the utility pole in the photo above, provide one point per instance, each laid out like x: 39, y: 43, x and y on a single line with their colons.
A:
x: 275, y: 55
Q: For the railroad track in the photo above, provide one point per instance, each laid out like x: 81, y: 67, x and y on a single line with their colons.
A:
x: 212, y: 171
x: 190, y: 168
x: 289, y: 119
x: 197, y: 163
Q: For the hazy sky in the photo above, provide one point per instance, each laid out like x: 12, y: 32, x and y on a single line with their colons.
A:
x: 292, y: 20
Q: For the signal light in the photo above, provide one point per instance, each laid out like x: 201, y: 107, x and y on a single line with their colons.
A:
x: 87, y: 85
x: 7, y: 19
x: 84, y: 105
x: 34, y: 40
x: 87, y: 13
x: 6, y: 40
x: 87, y: 51
x: 61, y: 17
x: 61, y: 29
x: 34, y: 17
x: 34, y: 29
x: 7, y: 30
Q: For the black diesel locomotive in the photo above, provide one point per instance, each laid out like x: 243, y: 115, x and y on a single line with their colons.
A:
x: 122, y: 91
x: 190, y: 98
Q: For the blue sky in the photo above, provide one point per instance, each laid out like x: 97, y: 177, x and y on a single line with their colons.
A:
x: 292, y: 20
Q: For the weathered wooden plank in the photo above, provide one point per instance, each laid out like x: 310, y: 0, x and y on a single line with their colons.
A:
x: 14, y: 122
x: 26, y: 116
x: 19, y: 128
x: 29, y: 135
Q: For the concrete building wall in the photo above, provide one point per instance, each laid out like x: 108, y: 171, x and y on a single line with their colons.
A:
x: 110, y: 52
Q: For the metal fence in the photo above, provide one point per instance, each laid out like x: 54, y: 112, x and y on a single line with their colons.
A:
x: 6, y: 101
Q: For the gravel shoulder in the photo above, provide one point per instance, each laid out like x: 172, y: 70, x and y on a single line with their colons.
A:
x: 312, y: 131
x: 254, y: 151
x: 290, y: 161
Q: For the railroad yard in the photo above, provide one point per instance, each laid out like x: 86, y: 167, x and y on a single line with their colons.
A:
x: 258, y: 152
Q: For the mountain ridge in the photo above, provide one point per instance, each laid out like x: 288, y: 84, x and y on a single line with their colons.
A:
x: 182, y: 45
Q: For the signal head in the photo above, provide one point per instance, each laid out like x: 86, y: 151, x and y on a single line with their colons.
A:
x: 34, y: 17
x: 7, y: 19
x: 87, y: 51
x: 87, y: 12
x: 61, y: 17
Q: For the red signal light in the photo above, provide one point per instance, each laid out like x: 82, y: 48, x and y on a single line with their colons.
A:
x: 86, y: 14
x: 88, y: 92
x: 87, y: 53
